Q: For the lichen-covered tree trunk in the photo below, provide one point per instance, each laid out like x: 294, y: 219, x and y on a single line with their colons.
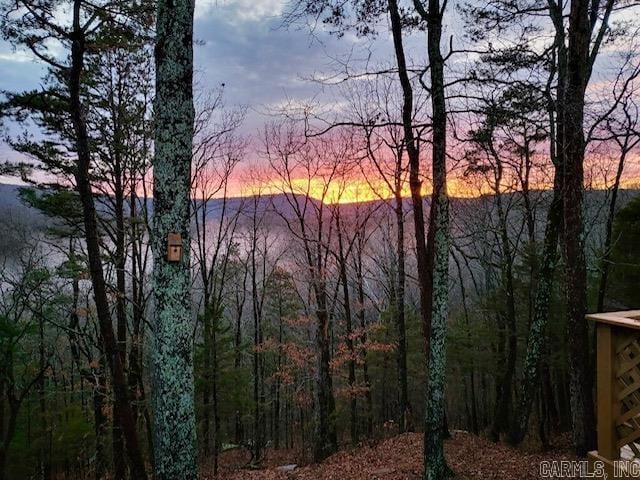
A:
x: 173, y: 385
x: 537, y: 338
x: 435, y: 465
x: 433, y: 265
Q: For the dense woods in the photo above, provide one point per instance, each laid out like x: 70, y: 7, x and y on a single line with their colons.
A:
x: 414, y: 250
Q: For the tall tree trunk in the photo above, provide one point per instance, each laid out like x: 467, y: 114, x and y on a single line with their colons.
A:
x: 83, y: 186
x: 604, y: 274
x: 46, y: 431
x: 326, y: 439
x: 100, y: 424
x: 8, y: 433
x: 415, y: 184
x: 325, y: 436
x: 537, y: 336
x: 433, y: 275
x: 435, y: 465
x: 121, y: 314
x: 503, y: 400
x: 363, y: 339
x: 353, y: 411
x: 472, y: 378
x: 277, y: 383
x: 500, y: 351
x: 580, y: 372
x: 214, y: 387
x: 138, y: 266
x: 173, y: 393
x: 257, y: 407
x: 206, y: 385
x: 237, y: 357
x: 404, y: 423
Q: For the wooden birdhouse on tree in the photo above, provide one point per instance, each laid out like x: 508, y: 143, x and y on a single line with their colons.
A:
x: 174, y: 247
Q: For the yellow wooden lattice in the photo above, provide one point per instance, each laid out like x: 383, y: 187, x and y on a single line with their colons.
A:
x: 627, y: 371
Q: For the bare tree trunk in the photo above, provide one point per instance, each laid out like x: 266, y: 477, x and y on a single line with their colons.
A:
x: 257, y: 407
x: 472, y: 379
x: 277, y: 383
x: 174, y: 419
x: 121, y: 314
x: 8, y: 434
x: 214, y: 389
x: 83, y: 186
x: 363, y: 339
x: 604, y: 274
x: 100, y: 421
x: 45, y: 450
x: 404, y: 423
x: 353, y: 412
x: 503, y: 400
x: 326, y: 440
x: 206, y: 386
x: 415, y: 184
x: 236, y: 363
x: 580, y: 372
x: 498, y: 421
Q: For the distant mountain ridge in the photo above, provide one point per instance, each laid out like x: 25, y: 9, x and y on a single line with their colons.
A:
x: 10, y: 202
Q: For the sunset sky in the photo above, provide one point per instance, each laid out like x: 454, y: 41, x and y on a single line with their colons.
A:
x: 264, y: 65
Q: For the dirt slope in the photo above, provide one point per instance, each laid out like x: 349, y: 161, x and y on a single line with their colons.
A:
x: 400, y: 458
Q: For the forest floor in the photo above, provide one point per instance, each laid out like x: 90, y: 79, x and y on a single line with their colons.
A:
x: 400, y: 458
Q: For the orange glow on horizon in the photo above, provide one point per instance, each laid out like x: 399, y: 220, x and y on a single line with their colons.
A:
x: 360, y: 190
x: 355, y: 187
x: 355, y: 190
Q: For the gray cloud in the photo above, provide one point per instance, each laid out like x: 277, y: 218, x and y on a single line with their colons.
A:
x: 260, y: 61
